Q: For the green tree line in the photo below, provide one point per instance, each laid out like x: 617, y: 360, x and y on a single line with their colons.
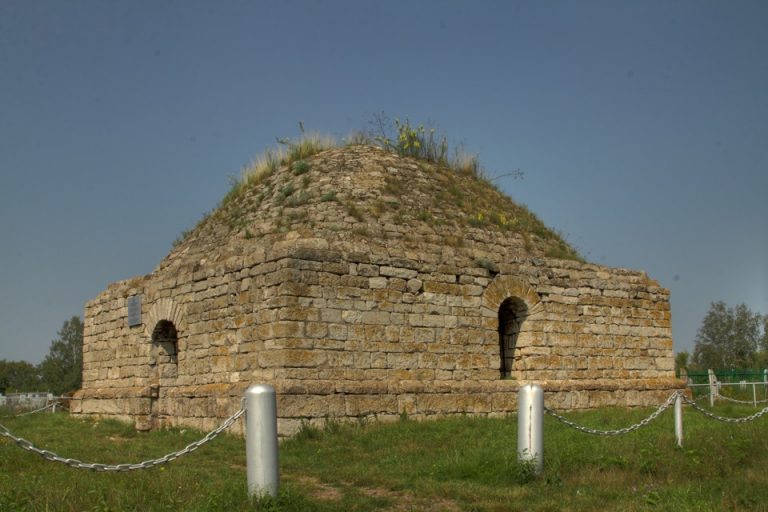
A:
x: 729, y: 337
x: 60, y: 372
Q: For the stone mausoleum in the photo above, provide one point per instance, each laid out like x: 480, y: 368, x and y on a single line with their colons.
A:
x: 360, y: 283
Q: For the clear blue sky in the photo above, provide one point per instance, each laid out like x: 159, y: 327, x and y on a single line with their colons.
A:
x: 641, y: 127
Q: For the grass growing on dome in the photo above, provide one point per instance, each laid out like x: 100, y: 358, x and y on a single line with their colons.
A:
x: 476, y: 197
x: 307, y: 145
x: 460, y: 190
x: 423, y: 143
x: 289, y: 152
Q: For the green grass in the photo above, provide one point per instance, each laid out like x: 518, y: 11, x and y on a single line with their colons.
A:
x: 450, y: 464
x: 328, y: 196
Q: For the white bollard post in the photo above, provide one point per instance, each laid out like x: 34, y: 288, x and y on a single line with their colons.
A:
x: 261, y: 451
x: 679, y: 420
x: 754, y: 395
x: 530, y: 425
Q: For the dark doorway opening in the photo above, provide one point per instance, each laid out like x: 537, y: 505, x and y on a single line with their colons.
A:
x: 512, y: 312
x: 164, y: 362
x: 166, y: 339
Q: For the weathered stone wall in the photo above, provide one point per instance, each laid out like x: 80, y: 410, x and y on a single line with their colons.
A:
x: 372, y: 285
x: 353, y: 334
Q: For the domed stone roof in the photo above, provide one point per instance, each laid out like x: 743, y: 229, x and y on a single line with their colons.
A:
x: 366, y: 199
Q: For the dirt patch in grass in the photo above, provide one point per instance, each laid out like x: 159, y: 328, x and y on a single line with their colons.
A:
x: 404, y: 501
x: 319, y: 490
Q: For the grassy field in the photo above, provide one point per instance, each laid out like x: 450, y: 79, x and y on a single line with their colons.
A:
x: 452, y: 464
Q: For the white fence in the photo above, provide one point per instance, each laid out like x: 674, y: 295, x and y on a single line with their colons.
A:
x: 715, y: 391
x: 26, y: 400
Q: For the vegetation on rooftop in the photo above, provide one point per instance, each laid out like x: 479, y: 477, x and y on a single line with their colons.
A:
x: 425, y: 144
x: 460, y: 184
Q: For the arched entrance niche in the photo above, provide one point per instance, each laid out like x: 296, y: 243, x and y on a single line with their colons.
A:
x: 512, y: 312
x: 166, y: 330
x: 512, y: 302
x: 164, y: 364
x: 165, y: 341
x: 164, y: 327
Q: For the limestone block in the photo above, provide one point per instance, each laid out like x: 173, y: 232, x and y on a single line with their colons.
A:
x: 438, y: 403
x: 414, y: 285
x: 299, y: 313
x: 316, y: 329
x: 364, y: 405
x: 403, y: 273
x: 443, y: 288
x: 293, y: 358
x: 351, y: 317
x: 397, y: 284
x: 377, y: 282
x: 288, y: 427
x: 338, y: 358
x: 285, y: 329
x: 375, y: 317
x: 403, y: 361
x: 379, y: 360
x: 104, y: 406
x: 310, y: 406
x: 367, y: 270
x: 330, y: 315
x: 428, y: 360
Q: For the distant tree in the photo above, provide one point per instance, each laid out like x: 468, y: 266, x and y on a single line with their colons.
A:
x: 728, y: 337
x: 681, y: 361
x: 764, y: 339
x: 18, y: 376
x: 62, y: 369
x: 761, y: 359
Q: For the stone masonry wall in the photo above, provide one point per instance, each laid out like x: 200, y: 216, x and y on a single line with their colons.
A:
x: 343, y: 334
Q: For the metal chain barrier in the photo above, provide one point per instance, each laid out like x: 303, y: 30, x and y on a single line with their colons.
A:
x: 705, y: 412
x: 736, y: 401
x: 620, y: 431
x: 48, y: 455
x: 41, y: 409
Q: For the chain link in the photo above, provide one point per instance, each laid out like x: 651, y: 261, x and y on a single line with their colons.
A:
x: 705, y: 412
x: 95, y: 466
x: 736, y: 401
x: 41, y: 409
x: 620, y: 431
x: 702, y: 397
